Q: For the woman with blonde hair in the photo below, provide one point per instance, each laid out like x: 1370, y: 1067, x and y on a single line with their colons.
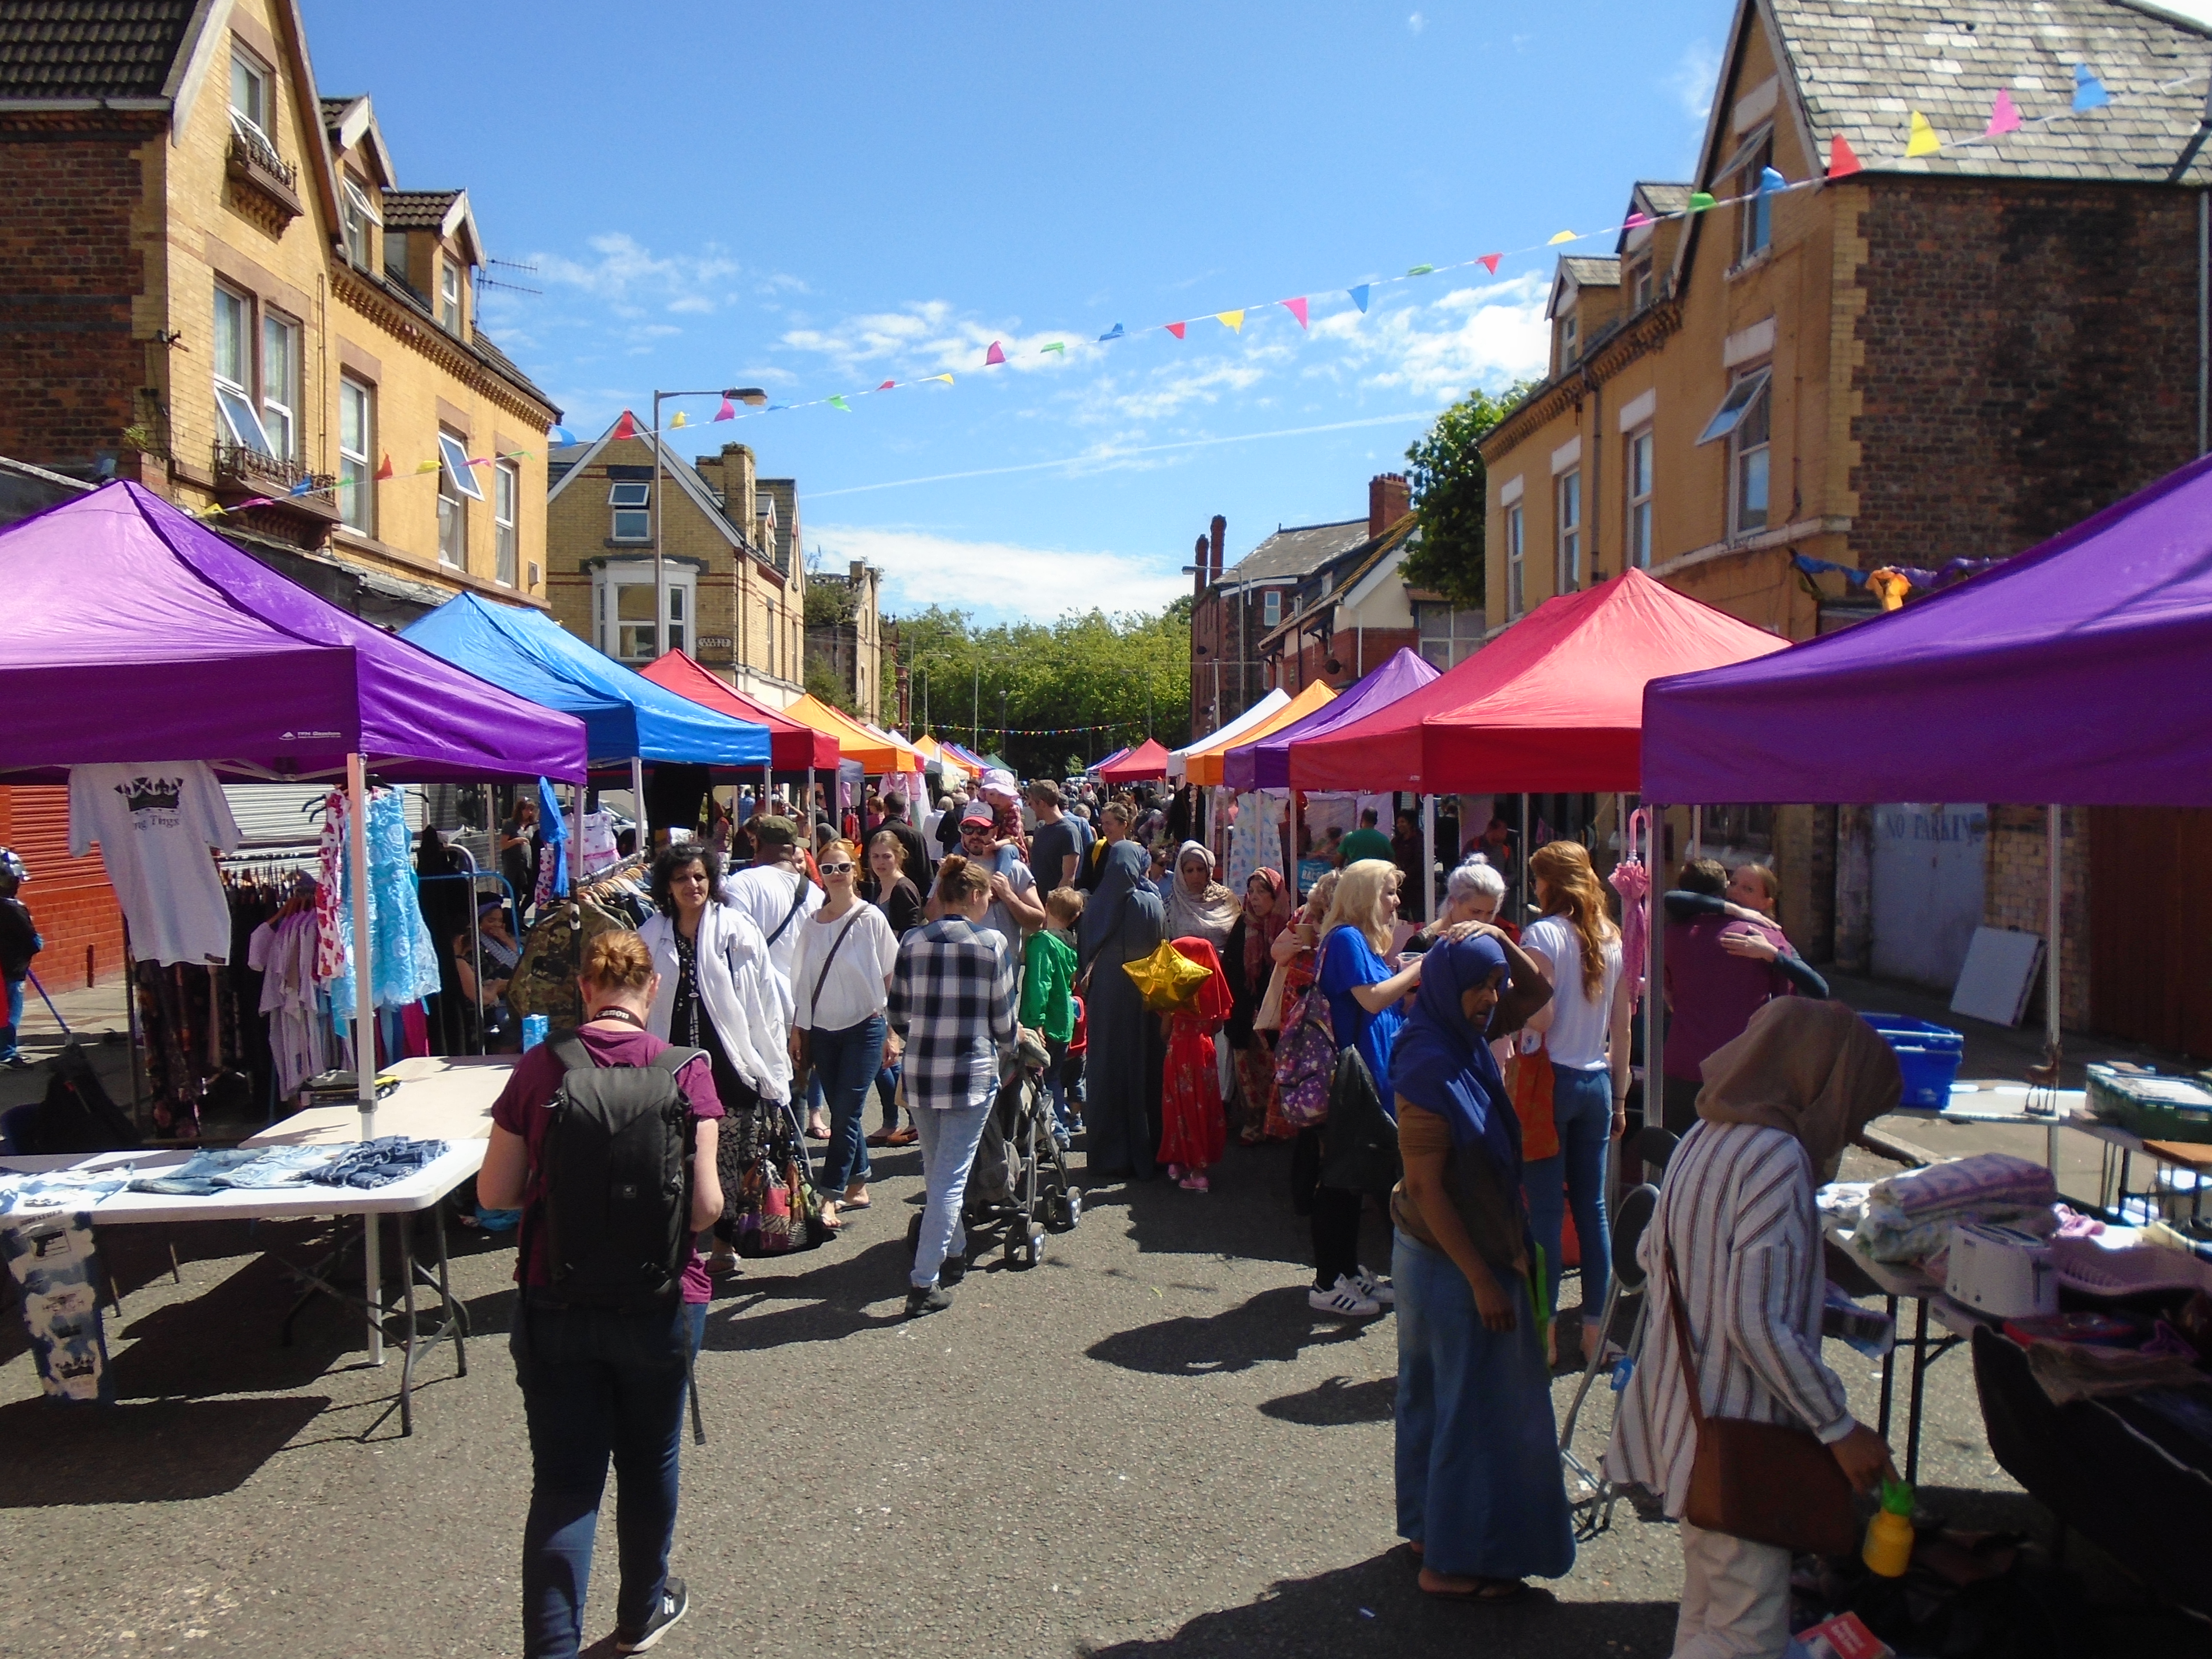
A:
x: 1585, y: 1029
x: 1363, y: 994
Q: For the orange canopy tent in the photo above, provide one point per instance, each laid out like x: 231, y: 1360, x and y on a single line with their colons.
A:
x: 1205, y: 765
x: 875, y: 755
x: 793, y: 746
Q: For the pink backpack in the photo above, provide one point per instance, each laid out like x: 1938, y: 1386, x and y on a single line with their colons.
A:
x: 1306, y: 1059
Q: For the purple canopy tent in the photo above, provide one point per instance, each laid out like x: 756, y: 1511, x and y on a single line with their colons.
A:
x: 193, y: 650
x: 1264, y: 763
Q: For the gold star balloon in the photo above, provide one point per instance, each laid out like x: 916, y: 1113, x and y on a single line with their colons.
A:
x: 1167, y: 978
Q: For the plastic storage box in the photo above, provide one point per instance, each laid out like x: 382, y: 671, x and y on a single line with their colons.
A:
x: 1929, y: 1056
x: 2156, y: 1108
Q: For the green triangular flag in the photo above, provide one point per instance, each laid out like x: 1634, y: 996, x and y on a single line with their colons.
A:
x: 1059, y: 346
x: 1420, y: 271
x: 1700, y: 200
x: 838, y: 401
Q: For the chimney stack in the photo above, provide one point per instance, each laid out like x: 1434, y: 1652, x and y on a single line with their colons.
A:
x: 1220, y: 535
x: 1389, y: 500
x: 1199, y: 568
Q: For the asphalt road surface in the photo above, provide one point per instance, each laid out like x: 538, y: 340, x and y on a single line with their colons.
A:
x: 1146, y: 1447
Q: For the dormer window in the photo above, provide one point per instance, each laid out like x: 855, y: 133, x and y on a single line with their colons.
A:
x: 1640, y: 288
x: 395, y: 255
x: 1755, y: 213
x: 359, y: 240
x: 251, y: 82
x: 1571, y: 343
x: 449, y: 294
x: 1271, y: 608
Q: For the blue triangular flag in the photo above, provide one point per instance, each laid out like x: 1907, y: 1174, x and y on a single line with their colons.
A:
x: 561, y: 434
x: 2089, y: 91
x: 1113, y: 333
x: 1769, y: 179
x: 1359, y: 295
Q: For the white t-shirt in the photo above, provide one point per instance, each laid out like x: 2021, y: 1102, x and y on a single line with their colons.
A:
x: 997, y: 919
x: 155, y: 823
x: 764, y: 892
x: 855, y: 988
x: 1577, y: 1039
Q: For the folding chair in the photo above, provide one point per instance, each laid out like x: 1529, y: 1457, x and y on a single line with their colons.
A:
x: 1594, y: 1494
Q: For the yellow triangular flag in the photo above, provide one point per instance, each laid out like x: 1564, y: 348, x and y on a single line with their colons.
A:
x: 947, y: 378
x: 1232, y: 320
x: 1564, y: 236
x: 427, y: 466
x: 1923, y: 141
x: 678, y: 421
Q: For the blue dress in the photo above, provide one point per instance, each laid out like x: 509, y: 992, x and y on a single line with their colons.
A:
x: 402, y: 963
x: 1348, y: 960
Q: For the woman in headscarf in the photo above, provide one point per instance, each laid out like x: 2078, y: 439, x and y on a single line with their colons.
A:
x: 1250, y: 964
x: 1480, y: 1499
x: 1199, y: 907
x: 1736, y: 1216
x: 1122, y: 923
x: 1193, y: 1129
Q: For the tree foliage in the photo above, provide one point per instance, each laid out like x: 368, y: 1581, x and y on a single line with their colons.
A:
x: 1449, y: 492
x: 1089, y: 669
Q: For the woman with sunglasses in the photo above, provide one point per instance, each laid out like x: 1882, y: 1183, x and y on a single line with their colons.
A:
x: 839, y: 979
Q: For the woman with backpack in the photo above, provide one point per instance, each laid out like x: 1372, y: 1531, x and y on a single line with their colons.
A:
x: 1363, y: 994
x: 602, y: 1373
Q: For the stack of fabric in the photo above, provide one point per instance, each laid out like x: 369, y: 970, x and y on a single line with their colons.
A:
x: 1908, y: 1217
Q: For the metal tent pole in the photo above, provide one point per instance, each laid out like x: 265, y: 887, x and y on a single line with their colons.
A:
x: 637, y: 802
x: 1428, y: 858
x: 1654, y: 1031
x: 1521, y: 865
x: 364, y: 1030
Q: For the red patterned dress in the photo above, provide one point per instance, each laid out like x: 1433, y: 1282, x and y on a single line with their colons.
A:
x: 1193, y: 1130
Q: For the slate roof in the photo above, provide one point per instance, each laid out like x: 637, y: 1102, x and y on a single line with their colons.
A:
x: 1589, y: 272
x: 334, y: 109
x: 1290, y: 553
x: 416, y: 209
x: 1664, y: 198
x: 89, y: 48
x: 1862, y: 65
x: 785, y: 492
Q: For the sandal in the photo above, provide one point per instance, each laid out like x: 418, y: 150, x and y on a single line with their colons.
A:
x: 849, y: 1202
x: 902, y: 1137
x: 882, y: 1137
x: 1489, y: 1591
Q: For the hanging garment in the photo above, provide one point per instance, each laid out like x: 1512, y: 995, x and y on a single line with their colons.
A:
x: 155, y: 823
x: 402, y: 964
x: 330, y: 952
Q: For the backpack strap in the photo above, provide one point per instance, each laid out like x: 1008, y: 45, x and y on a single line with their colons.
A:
x: 569, y: 1048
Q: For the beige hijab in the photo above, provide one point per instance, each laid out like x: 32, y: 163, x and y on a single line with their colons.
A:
x: 1815, y: 1070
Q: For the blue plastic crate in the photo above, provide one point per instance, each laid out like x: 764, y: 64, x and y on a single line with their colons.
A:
x: 1929, y: 1056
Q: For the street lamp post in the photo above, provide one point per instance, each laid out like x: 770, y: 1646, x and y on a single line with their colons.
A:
x: 750, y: 395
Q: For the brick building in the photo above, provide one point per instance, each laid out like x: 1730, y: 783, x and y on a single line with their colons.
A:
x: 847, y: 658
x: 1952, y: 356
x: 729, y: 540
x: 1233, y: 609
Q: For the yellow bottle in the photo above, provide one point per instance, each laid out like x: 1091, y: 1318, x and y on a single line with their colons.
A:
x: 1888, y: 1549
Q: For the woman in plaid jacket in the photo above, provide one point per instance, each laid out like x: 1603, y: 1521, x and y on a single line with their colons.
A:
x: 953, y: 1001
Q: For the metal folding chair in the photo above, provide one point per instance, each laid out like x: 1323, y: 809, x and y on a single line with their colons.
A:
x: 1594, y: 1495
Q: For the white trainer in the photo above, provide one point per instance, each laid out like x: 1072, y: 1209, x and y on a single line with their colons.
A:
x: 1344, y: 1300
x: 1375, y: 1290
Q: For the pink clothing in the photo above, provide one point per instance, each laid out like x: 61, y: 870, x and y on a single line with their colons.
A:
x: 1713, y: 994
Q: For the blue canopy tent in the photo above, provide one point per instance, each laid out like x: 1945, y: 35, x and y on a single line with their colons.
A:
x: 626, y: 716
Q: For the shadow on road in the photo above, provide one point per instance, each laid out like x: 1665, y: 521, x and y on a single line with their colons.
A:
x: 1274, y: 1325
x: 1337, y: 1401
x: 817, y: 1304
x: 1375, y: 1607
x: 158, y: 1452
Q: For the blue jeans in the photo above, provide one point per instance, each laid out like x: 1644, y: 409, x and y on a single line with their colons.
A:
x: 887, y: 1082
x: 1055, y: 1083
x: 15, y: 1019
x: 1582, y: 1105
x: 1477, y: 1466
x: 847, y: 1062
x: 949, y: 1138
x: 597, y: 1385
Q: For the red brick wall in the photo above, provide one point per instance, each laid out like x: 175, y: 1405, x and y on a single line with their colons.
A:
x: 1356, y: 656
x: 2030, y: 359
x: 70, y: 898
x: 70, y: 371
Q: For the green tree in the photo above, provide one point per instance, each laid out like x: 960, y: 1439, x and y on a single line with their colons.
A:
x: 1449, y: 492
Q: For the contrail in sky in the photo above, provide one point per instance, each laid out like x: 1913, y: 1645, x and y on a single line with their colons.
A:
x: 1120, y: 454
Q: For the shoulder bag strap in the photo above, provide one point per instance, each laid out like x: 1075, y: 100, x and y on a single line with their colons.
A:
x: 836, y: 945
x: 1682, y: 1336
x: 798, y: 899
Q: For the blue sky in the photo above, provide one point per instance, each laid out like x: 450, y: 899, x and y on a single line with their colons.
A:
x: 817, y: 198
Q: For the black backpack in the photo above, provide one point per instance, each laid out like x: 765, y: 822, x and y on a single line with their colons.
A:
x: 616, y: 1187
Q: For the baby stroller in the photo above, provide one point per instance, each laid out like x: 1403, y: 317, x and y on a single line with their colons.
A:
x: 1019, y: 1184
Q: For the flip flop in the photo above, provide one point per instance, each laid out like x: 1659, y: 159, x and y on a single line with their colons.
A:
x: 854, y: 1203
x: 1489, y: 1592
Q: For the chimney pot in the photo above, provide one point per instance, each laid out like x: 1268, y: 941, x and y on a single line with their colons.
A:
x: 1389, y: 500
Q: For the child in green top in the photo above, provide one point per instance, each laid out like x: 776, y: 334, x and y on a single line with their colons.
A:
x: 1048, y: 995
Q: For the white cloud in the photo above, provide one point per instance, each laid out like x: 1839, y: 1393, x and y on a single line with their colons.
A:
x: 1417, y: 22
x: 925, y: 337
x: 1695, y: 76
x: 1486, y: 335
x: 997, y: 581
x: 626, y: 273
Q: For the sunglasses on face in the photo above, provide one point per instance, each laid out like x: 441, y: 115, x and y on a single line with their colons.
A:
x: 836, y: 869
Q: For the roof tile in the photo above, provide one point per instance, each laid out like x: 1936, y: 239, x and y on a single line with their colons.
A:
x: 89, y: 48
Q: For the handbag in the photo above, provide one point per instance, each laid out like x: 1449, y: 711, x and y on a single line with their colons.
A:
x: 1764, y: 1482
x: 1270, y: 1017
x: 1305, y: 1060
x: 1528, y: 1081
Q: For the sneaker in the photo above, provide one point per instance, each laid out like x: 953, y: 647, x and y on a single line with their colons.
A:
x: 1375, y: 1290
x: 934, y: 1299
x: 1343, y: 1299
x: 17, y: 1063
x: 675, y: 1602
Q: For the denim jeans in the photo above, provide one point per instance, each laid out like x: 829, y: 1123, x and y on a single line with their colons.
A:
x: 847, y: 1062
x: 597, y: 1385
x: 949, y: 1138
x: 15, y: 1019
x: 1582, y: 1105
x: 887, y: 1083
x: 1055, y: 1083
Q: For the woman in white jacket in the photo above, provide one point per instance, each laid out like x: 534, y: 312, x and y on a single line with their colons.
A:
x: 716, y: 992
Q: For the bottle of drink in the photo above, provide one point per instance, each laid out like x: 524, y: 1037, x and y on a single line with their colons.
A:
x: 1888, y: 1550
x: 534, y: 1027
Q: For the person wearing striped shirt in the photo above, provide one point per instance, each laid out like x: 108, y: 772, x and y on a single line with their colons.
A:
x: 952, y: 998
x: 1779, y: 1104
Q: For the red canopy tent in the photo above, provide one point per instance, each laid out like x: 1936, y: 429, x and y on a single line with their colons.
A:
x: 1145, y: 763
x: 1554, y: 703
x: 791, y: 747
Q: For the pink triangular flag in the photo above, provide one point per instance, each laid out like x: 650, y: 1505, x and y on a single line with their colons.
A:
x: 1296, y: 308
x: 626, y: 427
x: 1636, y: 218
x: 1843, y: 160
x: 993, y: 356
x: 887, y: 385
x: 1489, y: 262
x: 1177, y: 328
x: 728, y: 411
x: 2004, y: 116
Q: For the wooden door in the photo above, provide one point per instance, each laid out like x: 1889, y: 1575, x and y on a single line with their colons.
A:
x: 2150, y: 926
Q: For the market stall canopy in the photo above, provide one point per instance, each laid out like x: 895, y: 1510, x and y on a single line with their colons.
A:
x: 2075, y: 672
x: 1265, y: 763
x: 626, y: 715
x: 875, y: 753
x: 1148, y: 761
x: 1235, y: 731
x: 1206, y: 765
x: 1100, y: 765
x: 793, y: 747
x: 1554, y: 703
x: 135, y: 632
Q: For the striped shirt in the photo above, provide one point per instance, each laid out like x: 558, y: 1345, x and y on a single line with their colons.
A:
x: 1737, y: 1205
x: 952, y: 997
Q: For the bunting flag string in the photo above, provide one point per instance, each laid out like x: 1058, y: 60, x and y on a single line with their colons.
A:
x: 1921, y: 140
x: 384, y: 474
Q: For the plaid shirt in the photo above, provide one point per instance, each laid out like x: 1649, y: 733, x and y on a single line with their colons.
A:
x: 953, y: 1001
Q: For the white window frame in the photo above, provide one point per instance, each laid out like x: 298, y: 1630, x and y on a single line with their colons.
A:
x: 1569, y: 531
x: 1747, y: 385
x: 1643, y: 284
x: 1462, y: 633
x: 280, y: 385
x: 360, y: 214
x: 1754, y: 217
x: 260, y: 81
x: 457, y: 488
x: 356, y: 471
x: 506, y: 519
x: 1516, y: 572
x: 629, y: 502
x: 1754, y: 456
x: 449, y: 293
x: 453, y: 456
x: 236, y: 411
x: 608, y: 580
x: 1641, y: 444
x: 1271, y: 608
x: 1570, y: 330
